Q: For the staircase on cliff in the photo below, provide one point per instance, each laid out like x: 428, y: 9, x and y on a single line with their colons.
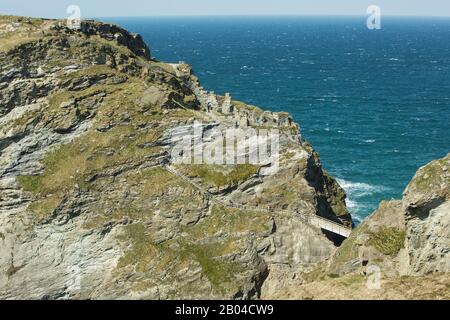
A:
x: 312, y: 220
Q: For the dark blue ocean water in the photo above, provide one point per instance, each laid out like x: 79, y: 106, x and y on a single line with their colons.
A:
x: 375, y: 104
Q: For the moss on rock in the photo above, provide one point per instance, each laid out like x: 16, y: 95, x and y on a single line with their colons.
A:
x: 220, y: 175
x: 388, y: 241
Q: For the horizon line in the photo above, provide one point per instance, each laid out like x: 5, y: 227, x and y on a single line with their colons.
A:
x: 243, y: 15
x: 278, y: 15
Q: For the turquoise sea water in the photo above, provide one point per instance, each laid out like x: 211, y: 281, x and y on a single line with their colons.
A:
x: 374, y: 104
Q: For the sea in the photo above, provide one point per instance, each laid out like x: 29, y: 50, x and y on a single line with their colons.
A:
x: 375, y: 104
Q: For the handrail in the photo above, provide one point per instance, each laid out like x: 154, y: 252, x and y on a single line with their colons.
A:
x: 314, y: 220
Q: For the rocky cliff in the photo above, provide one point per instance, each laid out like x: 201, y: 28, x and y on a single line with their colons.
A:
x: 401, y: 251
x: 91, y: 203
x: 405, y: 237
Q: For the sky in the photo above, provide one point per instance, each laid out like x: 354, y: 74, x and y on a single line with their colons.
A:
x: 114, y: 8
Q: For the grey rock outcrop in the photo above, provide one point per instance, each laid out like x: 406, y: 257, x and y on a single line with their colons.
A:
x: 401, y: 251
x: 426, y: 202
x: 88, y: 209
x: 404, y: 237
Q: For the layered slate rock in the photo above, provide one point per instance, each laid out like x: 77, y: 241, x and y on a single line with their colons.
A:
x: 405, y: 237
x: 88, y: 208
x: 426, y: 202
x: 401, y: 251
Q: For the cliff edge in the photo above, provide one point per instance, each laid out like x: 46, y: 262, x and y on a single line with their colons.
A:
x: 401, y: 251
x: 92, y: 204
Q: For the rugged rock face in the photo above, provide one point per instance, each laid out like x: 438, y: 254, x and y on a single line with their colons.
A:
x: 426, y: 202
x: 407, y: 237
x: 91, y: 203
x: 401, y: 251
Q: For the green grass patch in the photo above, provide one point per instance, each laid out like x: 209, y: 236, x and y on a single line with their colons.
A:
x: 429, y: 175
x: 219, y: 273
x: 155, y: 181
x: 221, y: 175
x: 75, y: 165
x: 30, y: 183
x: 142, y: 251
x: 229, y: 220
x: 145, y: 255
x: 87, y: 155
x: 433, y: 177
x: 316, y: 274
x: 27, y: 32
x: 347, y: 251
x: 94, y: 70
x: 45, y: 207
x: 388, y: 241
x: 163, y: 66
x: 25, y: 118
x: 351, y: 280
x: 148, y: 185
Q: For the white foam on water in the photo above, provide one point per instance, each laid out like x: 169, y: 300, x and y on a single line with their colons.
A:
x: 359, y: 189
x: 351, y: 205
x: 355, y: 191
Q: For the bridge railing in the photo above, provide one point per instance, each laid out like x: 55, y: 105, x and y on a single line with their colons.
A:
x: 330, y: 225
x: 314, y: 220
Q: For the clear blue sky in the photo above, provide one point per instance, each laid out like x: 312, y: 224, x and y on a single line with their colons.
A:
x: 108, y: 8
